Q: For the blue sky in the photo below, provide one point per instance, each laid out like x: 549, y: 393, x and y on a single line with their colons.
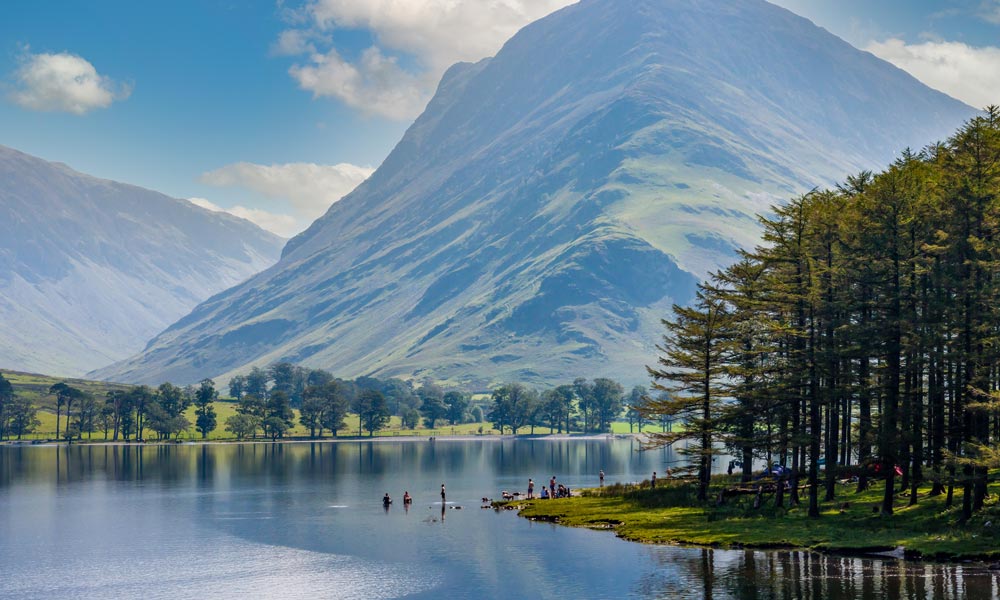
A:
x: 273, y: 110
x: 862, y: 21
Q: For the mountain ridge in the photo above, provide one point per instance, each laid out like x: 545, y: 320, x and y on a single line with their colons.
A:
x: 553, y: 201
x: 91, y: 269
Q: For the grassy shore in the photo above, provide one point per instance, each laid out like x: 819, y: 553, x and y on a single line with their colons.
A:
x: 47, y: 427
x: 669, y: 515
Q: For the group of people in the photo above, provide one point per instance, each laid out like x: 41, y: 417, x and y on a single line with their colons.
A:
x: 553, y: 490
x: 558, y: 490
x: 408, y: 499
x: 387, y: 500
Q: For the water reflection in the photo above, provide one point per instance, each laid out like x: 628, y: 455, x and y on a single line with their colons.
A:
x: 69, y: 512
x: 761, y: 575
x: 282, y: 463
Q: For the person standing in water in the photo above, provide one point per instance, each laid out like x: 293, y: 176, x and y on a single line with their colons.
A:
x: 442, y: 494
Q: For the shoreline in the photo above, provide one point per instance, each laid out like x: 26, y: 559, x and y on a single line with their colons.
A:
x: 325, y: 440
x: 926, y: 532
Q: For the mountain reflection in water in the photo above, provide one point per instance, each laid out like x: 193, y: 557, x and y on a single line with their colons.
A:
x: 306, y: 521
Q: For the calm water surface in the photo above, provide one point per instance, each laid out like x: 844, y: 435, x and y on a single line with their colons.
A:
x: 306, y: 521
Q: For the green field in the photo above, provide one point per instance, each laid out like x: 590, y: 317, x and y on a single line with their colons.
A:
x: 224, y: 410
x: 36, y: 387
x: 850, y: 524
x: 621, y: 428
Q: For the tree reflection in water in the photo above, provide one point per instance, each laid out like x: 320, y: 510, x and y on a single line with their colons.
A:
x: 279, y: 496
x: 780, y: 574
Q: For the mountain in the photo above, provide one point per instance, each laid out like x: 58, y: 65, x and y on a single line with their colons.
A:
x: 541, y: 216
x: 91, y: 270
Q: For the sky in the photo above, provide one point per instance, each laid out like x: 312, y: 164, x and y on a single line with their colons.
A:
x: 275, y: 109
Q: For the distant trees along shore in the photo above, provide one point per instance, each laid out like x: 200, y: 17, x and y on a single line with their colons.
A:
x: 266, y: 401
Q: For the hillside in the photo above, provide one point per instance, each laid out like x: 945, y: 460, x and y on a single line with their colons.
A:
x: 35, y: 387
x: 552, y: 202
x: 91, y: 270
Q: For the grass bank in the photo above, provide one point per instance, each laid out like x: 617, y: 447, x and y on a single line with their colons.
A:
x: 224, y: 410
x: 670, y: 515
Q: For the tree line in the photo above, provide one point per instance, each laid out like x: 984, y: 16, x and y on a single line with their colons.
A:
x: 266, y: 401
x: 266, y: 397
x: 860, y: 338
x: 587, y: 406
x: 121, y: 414
x: 128, y: 414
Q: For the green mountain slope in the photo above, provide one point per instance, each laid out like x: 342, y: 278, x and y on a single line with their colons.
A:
x: 541, y: 216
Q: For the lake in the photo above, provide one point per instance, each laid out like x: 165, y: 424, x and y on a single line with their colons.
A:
x: 305, y: 520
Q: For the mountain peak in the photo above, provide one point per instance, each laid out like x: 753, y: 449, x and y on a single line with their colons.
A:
x: 552, y: 202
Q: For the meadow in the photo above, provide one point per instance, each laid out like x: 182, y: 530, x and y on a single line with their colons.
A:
x: 851, y: 524
x: 35, y: 388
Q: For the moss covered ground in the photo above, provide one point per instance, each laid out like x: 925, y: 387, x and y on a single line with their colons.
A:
x: 849, y: 524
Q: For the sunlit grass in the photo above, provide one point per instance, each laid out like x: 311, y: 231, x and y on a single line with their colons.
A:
x: 851, y: 523
x: 224, y: 410
x: 35, y: 388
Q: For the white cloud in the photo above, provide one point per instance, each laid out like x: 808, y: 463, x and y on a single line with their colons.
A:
x: 375, y: 86
x: 293, y: 42
x: 969, y: 73
x: 436, y: 33
x: 65, y: 83
x: 283, y: 225
x: 990, y: 11
x: 305, y: 190
x: 310, y: 188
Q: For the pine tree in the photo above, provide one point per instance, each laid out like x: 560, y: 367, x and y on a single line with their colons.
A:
x: 691, y: 370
